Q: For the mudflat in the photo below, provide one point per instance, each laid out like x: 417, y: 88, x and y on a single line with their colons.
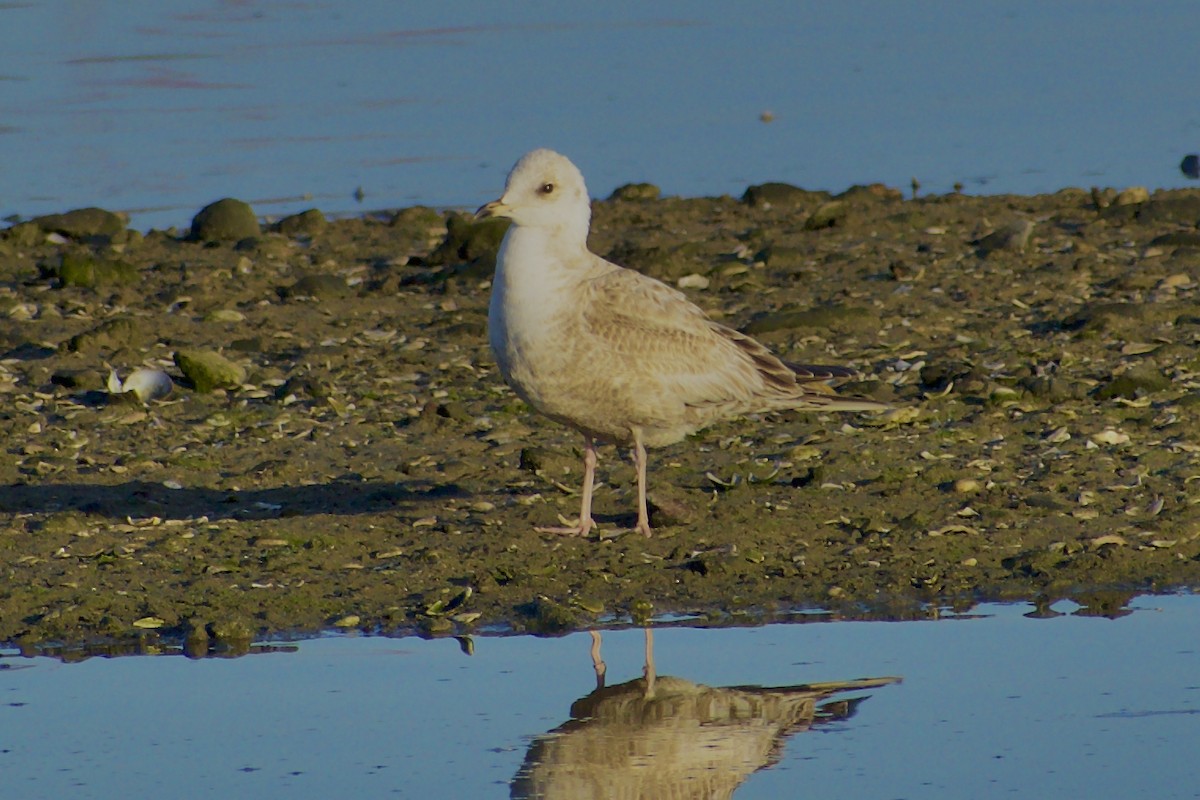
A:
x: 337, y: 449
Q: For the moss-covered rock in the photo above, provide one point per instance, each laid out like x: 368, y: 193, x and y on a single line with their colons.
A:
x: 636, y: 191
x: 225, y: 220
x: 1143, y: 379
x: 470, y: 241
x: 306, y: 223
x: 108, y: 335
x: 208, y: 370
x: 87, y: 271
x: 82, y: 223
x: 781, y: 195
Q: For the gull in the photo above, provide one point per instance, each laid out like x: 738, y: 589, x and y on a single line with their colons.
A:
x: 614, y: 354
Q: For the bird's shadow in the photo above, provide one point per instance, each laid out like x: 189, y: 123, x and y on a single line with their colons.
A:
x: 151, y: 499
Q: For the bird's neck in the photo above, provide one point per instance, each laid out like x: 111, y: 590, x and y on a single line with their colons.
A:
x: 526, y: 250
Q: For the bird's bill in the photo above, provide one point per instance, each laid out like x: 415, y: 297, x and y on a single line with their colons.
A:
x: 495, y: 208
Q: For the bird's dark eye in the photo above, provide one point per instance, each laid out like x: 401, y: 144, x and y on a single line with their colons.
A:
x: 546, y: 188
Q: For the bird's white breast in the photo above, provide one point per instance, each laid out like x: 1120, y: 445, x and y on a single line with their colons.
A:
x: 531, y: 305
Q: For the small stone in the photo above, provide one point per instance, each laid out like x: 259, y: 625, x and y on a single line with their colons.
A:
x: 693, y: 281
x: 1142, y: 379
x: 224, y: 315
x: 1111, y: 437
x: 1013, y: 236
x: 225, y: 220
x: 782, y: 195
x: 108, y: 335
x: 320, y: 285
x: 827, y: 215
x: 669, y: 507
x: 636, y: 191
x: 208, y: 370
x: 417, y: 217
x: 966, y: 486
x: 306, y: 223
x: 1132, y: 196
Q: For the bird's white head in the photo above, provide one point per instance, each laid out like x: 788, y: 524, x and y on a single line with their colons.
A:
x: 544, y: 190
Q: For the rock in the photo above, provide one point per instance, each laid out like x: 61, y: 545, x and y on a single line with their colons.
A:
x: 1185, y: 210
x: 1052, y: 388
x: 1102, y: 198
x: 1190, y: 166
x: 1145, y: 378
x: 82, y: 222
x: 24, y: 234
x: 208, y: 370
x: 670, y: 506
x: 1132, y: 196
x: 320, y: 285
x: 1112, y: 318
x: 108, y: 335
x: 470, y: 241
x: 416, y: 217
x: 940, y: 374
x: 835, y: 317
x: 967, y: 486
x: 827, y: 215
x: 1176, y: 239
x: 87, y: 271
x: 781, y: 195
x: 665, y: 263
x: 306, y: 223
x: 304, y: 386
x: 636, y: 191
x: 233, y: 630
x: 225, y: 220
x: 224, y: 315
x: 78, y: 379
x: 873, y: 192
x: 1013, y: 236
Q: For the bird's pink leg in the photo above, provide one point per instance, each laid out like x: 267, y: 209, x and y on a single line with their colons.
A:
x: 639, y: 461
x: 585, y: 524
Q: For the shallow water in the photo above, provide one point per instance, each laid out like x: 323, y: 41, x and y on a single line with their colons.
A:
x: 164, y: 106
x: 991, y: 704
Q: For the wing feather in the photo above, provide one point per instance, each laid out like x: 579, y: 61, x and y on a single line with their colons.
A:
x: 635, y: 318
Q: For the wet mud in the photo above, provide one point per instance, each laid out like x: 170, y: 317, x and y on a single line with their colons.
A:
x: 337, y: 449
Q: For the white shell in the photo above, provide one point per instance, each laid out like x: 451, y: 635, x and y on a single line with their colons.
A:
x: 147, y: 384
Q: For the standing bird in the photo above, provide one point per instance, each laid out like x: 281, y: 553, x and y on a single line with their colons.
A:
x: 614, y: 354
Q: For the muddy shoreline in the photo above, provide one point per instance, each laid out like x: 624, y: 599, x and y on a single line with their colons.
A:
x: 363, y: 467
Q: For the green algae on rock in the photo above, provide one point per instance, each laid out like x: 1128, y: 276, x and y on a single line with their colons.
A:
x: 209, y: 370
x: 225, y: 220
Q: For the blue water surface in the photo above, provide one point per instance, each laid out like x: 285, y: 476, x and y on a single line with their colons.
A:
x: 993, y: 704
x: 161, y: 106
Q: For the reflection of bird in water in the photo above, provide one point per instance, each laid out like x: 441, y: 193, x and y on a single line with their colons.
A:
x: 666, y: 737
